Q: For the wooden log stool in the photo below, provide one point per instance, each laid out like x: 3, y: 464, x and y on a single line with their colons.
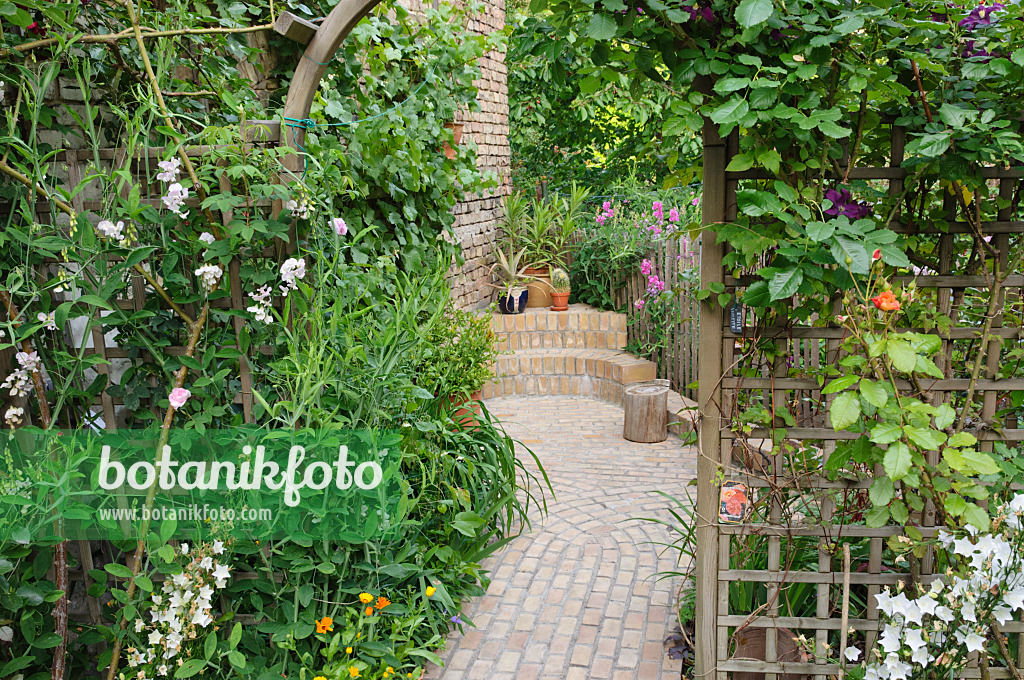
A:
x: 646, y: 406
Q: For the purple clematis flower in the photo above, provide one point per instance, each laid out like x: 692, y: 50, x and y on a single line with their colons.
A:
x: 980, y: 16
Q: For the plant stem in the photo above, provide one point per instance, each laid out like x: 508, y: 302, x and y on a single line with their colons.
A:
x: 148, y: 33
x: 1007, y: 657
x: 165, y: 432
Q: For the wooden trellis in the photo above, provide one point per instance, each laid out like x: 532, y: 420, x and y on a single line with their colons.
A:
x: 322, y: 41
x: 765, y: 472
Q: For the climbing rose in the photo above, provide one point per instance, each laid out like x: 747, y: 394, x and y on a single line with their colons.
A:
x: 178, y: 397
x: 877, y: 254
x: 886, y: 301
x: 340, y: 228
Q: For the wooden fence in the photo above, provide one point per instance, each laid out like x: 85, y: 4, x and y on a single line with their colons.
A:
x: 665, y: 328
x: 772, y: 553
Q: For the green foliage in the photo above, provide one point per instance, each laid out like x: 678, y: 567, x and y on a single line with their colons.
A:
x: 458, y: 354
x: 576, y: 114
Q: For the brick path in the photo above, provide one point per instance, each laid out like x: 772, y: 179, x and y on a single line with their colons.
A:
x: 576, y: 598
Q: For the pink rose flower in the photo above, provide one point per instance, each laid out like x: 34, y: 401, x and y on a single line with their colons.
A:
x: 178, y: 397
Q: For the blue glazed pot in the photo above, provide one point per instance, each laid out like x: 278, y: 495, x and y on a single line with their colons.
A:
x: 509, y: 304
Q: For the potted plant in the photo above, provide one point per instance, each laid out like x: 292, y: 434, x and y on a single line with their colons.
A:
x: 456, y: 129
x: 458, y: 362
x: 560, y: 289
x: 538, y: 236
x: 509, y: 277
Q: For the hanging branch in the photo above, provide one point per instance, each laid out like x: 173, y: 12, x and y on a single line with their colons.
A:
x: 147, y: 33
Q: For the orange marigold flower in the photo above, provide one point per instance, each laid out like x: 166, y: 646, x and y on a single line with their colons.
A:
x: 325, y: 625
x: 886, y: 301
x: 382, y: 602
x: 353, y: 672
x: 365, y: 598
x: 369, y: 611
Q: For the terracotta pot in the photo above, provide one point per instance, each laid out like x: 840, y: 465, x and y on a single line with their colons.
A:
x: 539, y: 286
x: 456, y: 129
x: 559, y: 302
x: 467, y: 409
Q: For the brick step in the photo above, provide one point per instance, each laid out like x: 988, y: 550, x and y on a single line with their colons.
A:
x: 597, y: 373
x: 581, y: 327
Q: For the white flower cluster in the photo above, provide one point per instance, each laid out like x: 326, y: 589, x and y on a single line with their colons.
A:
x: 261, y: 309
x: 18, y: 381
x: 292, y: 270
x: 209, y: 276
x: 170, y: 170
x: 175, y: 198
x: 938, y: 629
x: 110, y: 230
x: 301, y: 207
x: 47, y: 320
x: 14, y: 416
x: 179, y: 613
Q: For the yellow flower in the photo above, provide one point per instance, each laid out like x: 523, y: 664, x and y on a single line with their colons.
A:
x: 324, y: 625
x: 365, y: 598
x: 430, y: 593
x: 319, y: 677
x: 353, y: 672
x: 348, y: 650
x: 390, y: 669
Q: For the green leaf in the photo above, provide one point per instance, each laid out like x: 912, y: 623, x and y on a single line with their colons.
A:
x: 897, y: 461
x: 1018, y: 57
x: 944, y: 416
x: 602, y: 27
x: 903, y: 356
x: 190, y: 668
x: 840, y: 384
x: 236, y: 636
x: 753, y: 12
x: 727, y: 85
x: 785, y: 283
x: 925, y: 437
x: 757, y: 294
x: 874, y: 393
x: 832, y: 130
x: 960, y: 438
x: 740, y: 162
x: 976, y: 516
x: 877, y: 516
x: 820, y: 231
x: 851, y: 254
x: 770, y: 160
x: 954, y: 505
x: 731, y: 111
x: 850, y: 24
x: 981, y: 462
x: 236, y: 658
x: 845, y: 410
x: 119, y: 570
x: 954, y: 115
x: 209, y: 647
x: 882, y: 491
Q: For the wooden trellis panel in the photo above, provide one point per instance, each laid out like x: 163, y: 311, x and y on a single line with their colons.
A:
x: 776, y: 489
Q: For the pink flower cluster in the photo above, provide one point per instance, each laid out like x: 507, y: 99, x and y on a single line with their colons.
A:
x: 607, y: 212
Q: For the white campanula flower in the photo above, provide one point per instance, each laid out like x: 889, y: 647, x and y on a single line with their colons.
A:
x: 974, y: 642
x: 852, y: 654
x: 209, y: 276
x: 202, y: 618
x: 206, y: 563
x: 169, y: 170
x: 175, y: 198
x: 218, y: 546
x: 139, y: 625
x: 221, y: 573
x: 890, y: 641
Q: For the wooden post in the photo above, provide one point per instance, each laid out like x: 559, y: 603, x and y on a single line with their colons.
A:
x: 646, y: 417
x: 709, y: 397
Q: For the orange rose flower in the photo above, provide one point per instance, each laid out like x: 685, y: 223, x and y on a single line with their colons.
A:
x: 325, y: 625
x: 382, y: 602
x: 886, y: 301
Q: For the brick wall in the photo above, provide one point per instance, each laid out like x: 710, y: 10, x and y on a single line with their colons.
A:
x: 476, y: 217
